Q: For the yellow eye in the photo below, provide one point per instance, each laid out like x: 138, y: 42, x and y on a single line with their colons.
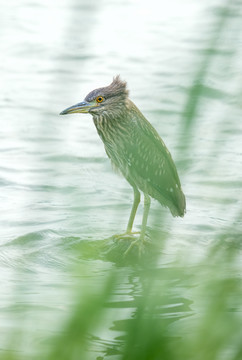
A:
x: 99, y: 99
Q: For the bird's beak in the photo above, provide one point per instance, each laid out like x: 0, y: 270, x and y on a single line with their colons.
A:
x: 82, y: 107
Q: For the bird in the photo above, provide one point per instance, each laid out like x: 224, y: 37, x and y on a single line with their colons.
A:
x: 135, y: 149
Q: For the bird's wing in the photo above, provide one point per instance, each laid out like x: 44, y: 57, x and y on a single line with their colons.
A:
x: 151, y: 163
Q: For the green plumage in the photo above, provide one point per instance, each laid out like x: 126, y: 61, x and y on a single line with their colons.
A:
x: 136, y: 149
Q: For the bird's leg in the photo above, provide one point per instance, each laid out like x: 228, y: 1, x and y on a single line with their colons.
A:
x: 133, y: 211
x: 128, y: 233
x: 145, y: 216
x: 141, y: 239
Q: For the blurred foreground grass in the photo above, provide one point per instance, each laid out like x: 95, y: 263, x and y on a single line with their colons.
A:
x: 179, y: 311
x: 208, y: 325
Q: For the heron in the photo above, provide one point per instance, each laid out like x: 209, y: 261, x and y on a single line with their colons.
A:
x: 135, y: 149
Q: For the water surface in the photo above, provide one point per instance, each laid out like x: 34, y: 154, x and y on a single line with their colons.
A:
x: 59, y: 195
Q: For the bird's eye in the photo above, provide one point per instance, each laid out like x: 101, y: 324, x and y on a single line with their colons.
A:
x: 99, y: 99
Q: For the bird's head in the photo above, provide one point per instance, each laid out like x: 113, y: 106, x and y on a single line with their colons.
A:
x: 109, y: 100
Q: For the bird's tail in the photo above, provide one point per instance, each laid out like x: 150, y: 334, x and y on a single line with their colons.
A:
x: 180, y: 208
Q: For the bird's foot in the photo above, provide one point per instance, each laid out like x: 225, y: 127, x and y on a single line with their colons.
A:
x: 128, y: 235
x: 138, y: 242
x: 130, y: 240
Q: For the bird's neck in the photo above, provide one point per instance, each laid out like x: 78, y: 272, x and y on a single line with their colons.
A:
x: 109, y: 127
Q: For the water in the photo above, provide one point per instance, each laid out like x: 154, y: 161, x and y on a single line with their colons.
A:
x: 58, y: 190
